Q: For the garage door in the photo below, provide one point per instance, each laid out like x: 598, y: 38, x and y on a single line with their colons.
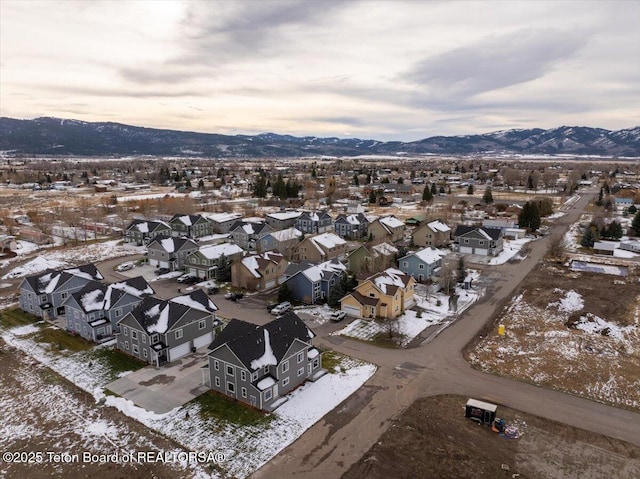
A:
x: 482, y: 251
x: 466, y: 249
x: 351, y: 311
x: 164, y: 264
x: 179, y: 351
x: 204, y: 340
x: 270, y: 284
x: 153, y: 262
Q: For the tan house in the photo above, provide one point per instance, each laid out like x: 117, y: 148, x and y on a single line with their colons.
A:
x: 386, y: 230
x: 259, y: 272
x: 320, y: 248
x: 434, y: 234
x: 385, y: 295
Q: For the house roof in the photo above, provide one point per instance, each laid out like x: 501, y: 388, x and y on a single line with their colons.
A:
x: 438, y: 227
x: 314, y: 215
x: 250, y: 228
x: 187, y: 220
x: 362, y: 299
x: 98, y: 297
x: 215, y: 251
x: 144, y: 226
x: 428, y: 255
x: 257, y: 263
x: 391, y: 222
x: 171, y: 244
x: 385, y: 249
x: 285, y: 215
x: 286, y: 235
x: 259, y: 346
x: 196, y: 299
x: 389, y: 280
x: 159, y: 316
x: 488, y: 233
x: 320, y: 271
x: 222, y: 217
x: 137, y: 286
x: 328, y: 240
x: 48, y: 281
x: 355, y: 219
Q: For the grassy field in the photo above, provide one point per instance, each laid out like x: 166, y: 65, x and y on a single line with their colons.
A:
x: 11, y: 318
x: 61, y: 341
x: 225, y: 411
x: 116, y: 361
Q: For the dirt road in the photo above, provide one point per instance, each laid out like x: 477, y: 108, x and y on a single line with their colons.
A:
x: 330, y: 447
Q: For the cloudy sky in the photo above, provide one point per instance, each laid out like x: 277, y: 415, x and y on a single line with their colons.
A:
x: 370, y: 69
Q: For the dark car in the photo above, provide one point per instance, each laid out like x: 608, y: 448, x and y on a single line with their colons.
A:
x: 160, y: 271
x: 192, y: 280
x: 213, y: 290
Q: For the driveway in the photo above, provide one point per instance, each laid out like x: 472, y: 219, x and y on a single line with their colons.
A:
x: 161, y: 389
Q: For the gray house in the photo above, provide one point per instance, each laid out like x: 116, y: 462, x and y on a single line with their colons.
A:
x: 159, y: 331
x: 191, y: 226
x: 44, y: 294
x: 351, y: 226
x: 170, y: 252
x: 203, y: 263
x: 93, y: 312
x: 222, y: 222
x: 140, y: 232
x: 478, y: 240
x: 314, y: 283
x: 282, y: 220
x: 314, y: 222
x: 259, y: 365
x: 247, y: 235
x: 422, y: 264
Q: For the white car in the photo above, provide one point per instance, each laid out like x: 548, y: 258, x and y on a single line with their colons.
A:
x: 337, y: 316
x: 124, y: 267
x: 281, y: 308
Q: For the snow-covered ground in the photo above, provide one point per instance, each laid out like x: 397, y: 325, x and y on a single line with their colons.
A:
x: 509, y: 250
x: 319, y: 314
x: 245, y: 448
x: 62, y: 258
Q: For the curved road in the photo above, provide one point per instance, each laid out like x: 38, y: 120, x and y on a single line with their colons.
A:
x: 436, y: 367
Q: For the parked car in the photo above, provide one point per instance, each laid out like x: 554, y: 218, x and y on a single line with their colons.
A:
x: 281, y: 308
x: 160, y: 271
x: 337, y: 316
x: 184, y: 278
x: 213, y: 290
x: 192, y: 280
x: 233, y: 296
x: 124, y: 267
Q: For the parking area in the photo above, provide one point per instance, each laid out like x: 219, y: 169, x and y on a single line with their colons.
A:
x: 161, y: 389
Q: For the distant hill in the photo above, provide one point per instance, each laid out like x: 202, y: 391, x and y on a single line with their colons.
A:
x: 54, y: 136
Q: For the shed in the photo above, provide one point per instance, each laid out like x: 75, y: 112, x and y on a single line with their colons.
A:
x: 483, y: 412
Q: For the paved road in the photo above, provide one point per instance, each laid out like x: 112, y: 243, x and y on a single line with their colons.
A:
x: 330, y: 447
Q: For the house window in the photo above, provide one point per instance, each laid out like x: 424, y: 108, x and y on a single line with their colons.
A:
x: 405, y: 264
x: 244, y: 392
x: 267, y: 395
x: 266, y: 369
x: 421, y: 266
x: 134, y: 334
x: 202, y: 324
x: 243, y: 375
x: 125, y: 330
x: 154, y: 338
x: 144, y: 338
x: 316, y: 363
x: 231, y: 387
x: 300, y: 371
x: 43, y: 298
x: 216, y: 365
x: 126, y: 345
x: 76, y: 314
x: 135, y: 349
x: 466, y: 241
x: 229, y: 370
x: 285, y: 366
x: 481, y: 243
x: 178, y: 333
x: 217, y: 382
x: 254, y: 376
x: 372, y: 295
x: 300, y: 356
x: 63, y: 296
x: 285, y: 381
x: 118, y: 313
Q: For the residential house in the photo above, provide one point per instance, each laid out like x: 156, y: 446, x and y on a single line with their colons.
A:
x: 140, y: 232
x: 159, y: 331
x: 247, y: 235
x: 632, y: 245
x: 285, y: 242
x: 388, y: 229
x: 385, y: 295
x: 203, y: 263
x: 282, y: 220
x: 322, y: 247
x: 259, y: 365
x: 44, y: 294
x: 435, y: 234
x: 191, y: 226
x: 222, y: 222
x: 502, y: 223
x: 478, y: 240
x: 351, y: 226
x: 416, y: 220
x: 422, y: 264
x: 93, y: 312
x: 170, y: 252
x: 8, y: 243
x: 369, y: 260
x: 314, y: 222
x: 313, y: 283
x: 259, y: 272
x: 605, y: 247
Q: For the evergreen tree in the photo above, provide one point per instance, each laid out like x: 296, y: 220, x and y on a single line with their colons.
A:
x: 632, y: 209
x: 442, y: 190
x: 201, y: 184
x: 280, y: 188
x: 187, y: 183
x: 260, y: 187
x: 356, y: 181
x: 589, y: 237
x: 385, y: 180
x: 488, y: 196
x: 400, y: 180
x: 285, y: 293
x: 470, y: 190
x: 462, y: 270
x: 530, y: 182
x: 434, y: 190
x: 426, y: 194
x: 529, y: 216
x: 372, y: 197
x: 223, y: 273
x: 600, y: 196
x: 635, y: 224
x: 314, y: 174
x: 614, y: 230
x: 607, y: 189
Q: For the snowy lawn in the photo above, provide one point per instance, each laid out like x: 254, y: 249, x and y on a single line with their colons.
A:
x: 319, y: 314
x: 62, y: 258
x: 510, y: 249
x: 245, y: 447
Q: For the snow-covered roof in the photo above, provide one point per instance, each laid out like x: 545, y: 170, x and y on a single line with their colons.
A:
x: 438, y: 226
x: 328, y: 240
x: 385, y: 249
x: 162, y: 314
x: 391, y: 222
x: 317, y: 272
x: 429, y: 255
x: 285, y: 215
x: 222, y: 217
x: 268, y: 358
x: 215, y: 251
x: 390, y: 277
x: 197, y: 299
x: 168, y: 244
x: 265, y: 382
x: 286, y: 235
x: 313, y: 353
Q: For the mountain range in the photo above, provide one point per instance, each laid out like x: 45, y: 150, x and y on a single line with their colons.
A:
x: 55, y: 136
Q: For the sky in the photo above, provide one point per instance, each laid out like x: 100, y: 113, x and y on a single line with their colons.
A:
x: 386, y: 70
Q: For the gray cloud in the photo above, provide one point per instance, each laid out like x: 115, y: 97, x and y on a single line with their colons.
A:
x: 494, y: 63
x: 120, y: 92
